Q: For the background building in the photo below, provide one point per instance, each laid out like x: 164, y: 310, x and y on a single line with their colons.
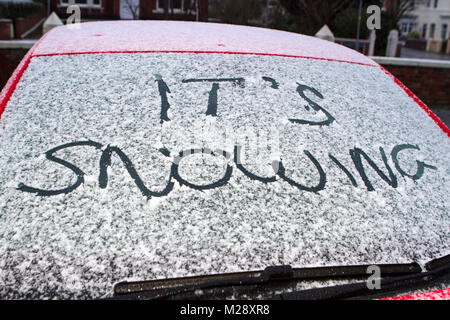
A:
x: 135, y: 9
x: 430, y: 20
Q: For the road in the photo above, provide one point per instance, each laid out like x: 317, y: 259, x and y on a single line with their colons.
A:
x: 421, y: 54
x: 443, y: 114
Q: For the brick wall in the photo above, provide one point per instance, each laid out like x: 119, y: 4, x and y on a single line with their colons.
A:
x: 419, y: 44
x: 25, y: 24
x: 428, y: 79
x: 110, y: 9
x: 6, y: 29
x: 22, y: 25
x: 9, y: 59
x: 431, y: 85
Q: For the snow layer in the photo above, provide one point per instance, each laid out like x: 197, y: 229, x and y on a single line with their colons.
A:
x: 77, y: 245
x: 132, y: 36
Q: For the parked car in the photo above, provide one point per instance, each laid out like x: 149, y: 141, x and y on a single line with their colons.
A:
x: 244, y: 162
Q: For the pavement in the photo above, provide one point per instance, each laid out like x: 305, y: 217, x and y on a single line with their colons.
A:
x: 421, y: 54
x: 443, y: 114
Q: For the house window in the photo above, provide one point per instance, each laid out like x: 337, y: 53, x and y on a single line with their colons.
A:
x: 444, y: 31
x: 404, y: 27
x: 82, y: 3
x: 424, y: 30
x: 436, y: 2
x: 176, y: 5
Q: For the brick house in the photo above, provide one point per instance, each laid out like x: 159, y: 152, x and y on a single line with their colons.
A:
x: 134, y: 9
x: 20, y: 27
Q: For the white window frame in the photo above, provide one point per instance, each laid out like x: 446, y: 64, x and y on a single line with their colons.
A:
x: 404, y: 28
x: 184, y: 7
x: 89, y: 4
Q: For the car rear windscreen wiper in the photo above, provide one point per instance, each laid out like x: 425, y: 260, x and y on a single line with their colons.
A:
x: 435, y: 275
x: 268, y: 283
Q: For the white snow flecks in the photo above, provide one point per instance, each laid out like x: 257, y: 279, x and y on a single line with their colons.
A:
x: 77, y: 245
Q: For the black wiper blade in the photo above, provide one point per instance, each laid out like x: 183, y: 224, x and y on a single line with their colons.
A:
x: 165, y: 288
x: 436, y: 273
x: 438, y: 263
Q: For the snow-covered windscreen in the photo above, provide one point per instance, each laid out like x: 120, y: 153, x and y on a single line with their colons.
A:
x: 152, y: 165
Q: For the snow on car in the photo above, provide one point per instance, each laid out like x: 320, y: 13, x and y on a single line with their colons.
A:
x: 148, y: 150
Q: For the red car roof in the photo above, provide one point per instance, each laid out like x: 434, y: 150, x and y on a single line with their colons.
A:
x: 194, y: 37
x: 174, y: 36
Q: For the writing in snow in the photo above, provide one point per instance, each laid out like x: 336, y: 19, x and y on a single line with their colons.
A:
x: 361, y: 160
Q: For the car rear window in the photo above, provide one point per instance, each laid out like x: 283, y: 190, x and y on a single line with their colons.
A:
x: 155, y: 165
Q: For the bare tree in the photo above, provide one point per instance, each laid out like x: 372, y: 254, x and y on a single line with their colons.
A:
x: 311, y: 15
x: 133, y: 7
x: 238, y: 11
x: 396, y: 9
x: 190, y: 9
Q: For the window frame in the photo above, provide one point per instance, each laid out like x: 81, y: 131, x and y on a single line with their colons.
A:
x: 184, y: 6
x: 66, y: 3
x: 424, y: 30
x: 444, y: 31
